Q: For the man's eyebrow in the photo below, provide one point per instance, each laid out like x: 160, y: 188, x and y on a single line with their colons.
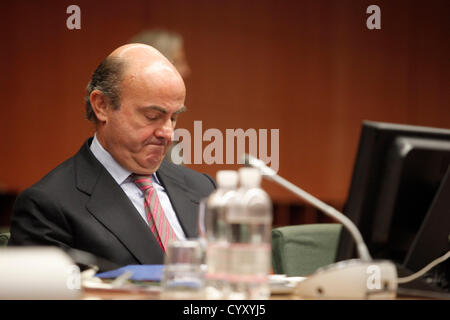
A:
x: 157, y: 108
x: 182, y: 109
x: 164, y: 111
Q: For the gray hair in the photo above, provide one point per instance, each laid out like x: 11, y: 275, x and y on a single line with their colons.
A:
x: 106, y: 78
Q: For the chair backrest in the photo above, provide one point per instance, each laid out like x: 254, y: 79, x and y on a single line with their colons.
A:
x: 4, y: 238
x: 301, y: 249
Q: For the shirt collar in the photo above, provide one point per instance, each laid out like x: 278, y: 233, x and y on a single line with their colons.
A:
x: 119, y: 173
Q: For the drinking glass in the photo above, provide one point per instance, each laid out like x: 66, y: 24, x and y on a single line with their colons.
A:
x: 183, y: 275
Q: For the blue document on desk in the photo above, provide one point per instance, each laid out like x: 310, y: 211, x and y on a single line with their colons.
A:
x: 149, y: 272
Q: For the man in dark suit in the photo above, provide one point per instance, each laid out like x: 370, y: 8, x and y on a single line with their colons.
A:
x: 117, y: 198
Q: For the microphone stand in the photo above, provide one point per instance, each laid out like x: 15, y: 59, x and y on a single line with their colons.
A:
x: 344, y: 269
x: 328, y: 210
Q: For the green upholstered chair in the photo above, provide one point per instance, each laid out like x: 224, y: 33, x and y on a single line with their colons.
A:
x: 4, y: 237
x: 301, y: 249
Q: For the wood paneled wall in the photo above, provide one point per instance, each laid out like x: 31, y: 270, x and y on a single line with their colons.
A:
x: 308, y: 68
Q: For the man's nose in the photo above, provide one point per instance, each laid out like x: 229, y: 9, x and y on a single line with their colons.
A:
x: 165, y: 131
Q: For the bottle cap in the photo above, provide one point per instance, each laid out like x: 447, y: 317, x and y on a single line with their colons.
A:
x: 227, y: 179
x: 249, y: 177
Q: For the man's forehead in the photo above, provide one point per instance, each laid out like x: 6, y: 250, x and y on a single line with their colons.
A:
x: 151, y: 72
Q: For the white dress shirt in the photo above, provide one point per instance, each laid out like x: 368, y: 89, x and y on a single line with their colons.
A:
x: 122, y: 177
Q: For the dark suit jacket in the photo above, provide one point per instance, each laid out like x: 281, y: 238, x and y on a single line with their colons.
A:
x: 79, y: 205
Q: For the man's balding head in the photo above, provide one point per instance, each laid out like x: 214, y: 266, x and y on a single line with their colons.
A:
x: 135, y: 97
x: 124, y: 65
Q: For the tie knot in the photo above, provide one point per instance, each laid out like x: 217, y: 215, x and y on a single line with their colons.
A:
x: 143, y: 182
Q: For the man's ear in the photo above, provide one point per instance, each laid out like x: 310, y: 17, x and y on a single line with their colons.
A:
x: 99, y: 103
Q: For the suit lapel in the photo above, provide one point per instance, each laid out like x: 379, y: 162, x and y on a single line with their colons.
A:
x: 184, y: 202
x: 111, y: 207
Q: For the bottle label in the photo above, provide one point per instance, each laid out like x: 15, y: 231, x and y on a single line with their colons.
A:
x: 249, y: 262
x: 217, y: 260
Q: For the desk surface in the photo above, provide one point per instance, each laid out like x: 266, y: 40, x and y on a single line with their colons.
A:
x: 101, y: 294
x: 118, y: 294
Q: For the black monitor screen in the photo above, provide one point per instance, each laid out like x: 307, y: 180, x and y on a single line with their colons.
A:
x: 398, y: 171
x: 433, y: 238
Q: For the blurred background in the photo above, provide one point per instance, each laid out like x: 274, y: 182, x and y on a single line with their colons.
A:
x: 309, y: 68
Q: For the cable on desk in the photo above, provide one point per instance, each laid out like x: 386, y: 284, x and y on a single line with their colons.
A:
x: 424, y: 270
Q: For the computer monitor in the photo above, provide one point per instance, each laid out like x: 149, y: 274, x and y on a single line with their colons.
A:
x: 397, y: 173
x: 433, y: 239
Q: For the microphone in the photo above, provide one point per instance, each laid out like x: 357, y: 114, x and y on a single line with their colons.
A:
x: 354, y: 279
x: 270, y: 174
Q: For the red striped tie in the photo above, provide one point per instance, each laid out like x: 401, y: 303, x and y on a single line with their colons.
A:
x: 156, y: 218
